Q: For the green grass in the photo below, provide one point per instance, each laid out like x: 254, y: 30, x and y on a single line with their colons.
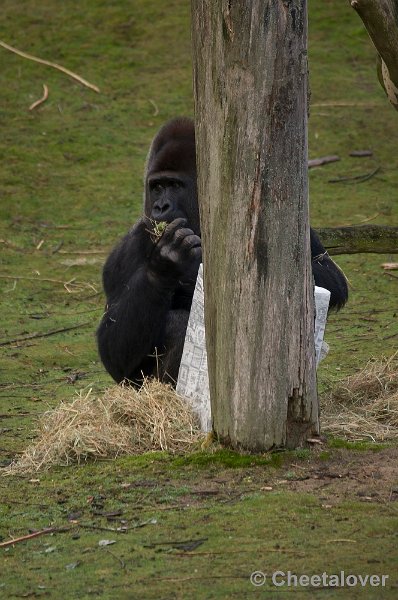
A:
x: 226, y: 458
x: 242, y: 529
x: 71, y: 185
x: 361, y: 445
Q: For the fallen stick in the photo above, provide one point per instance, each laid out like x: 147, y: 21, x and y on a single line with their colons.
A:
x: 50, y: 64
x: 156, y: 112
x: 40, y: 100
x: 317, y: 162
x: 32, y: 336
x: 361, y: 153
x: 355, y: 178
x: 380, y: 239
x: 23, y: 538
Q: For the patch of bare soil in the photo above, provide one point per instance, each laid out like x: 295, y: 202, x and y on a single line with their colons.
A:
x: 365, y: 476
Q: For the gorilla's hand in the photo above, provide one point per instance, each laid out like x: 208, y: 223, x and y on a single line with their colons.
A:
x: 176, y: 255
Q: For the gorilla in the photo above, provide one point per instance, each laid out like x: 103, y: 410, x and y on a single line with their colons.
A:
x: 149, y: 278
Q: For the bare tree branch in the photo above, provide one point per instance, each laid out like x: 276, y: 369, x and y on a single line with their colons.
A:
x: 379, y: 239
x: 380, y: 18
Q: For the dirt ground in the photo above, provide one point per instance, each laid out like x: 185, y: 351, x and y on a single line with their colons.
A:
x: 366, y: 476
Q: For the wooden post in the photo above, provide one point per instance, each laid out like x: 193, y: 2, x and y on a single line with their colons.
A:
x: 250, y: 84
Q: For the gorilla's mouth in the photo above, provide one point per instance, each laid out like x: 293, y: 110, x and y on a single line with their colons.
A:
x: 169, y: 218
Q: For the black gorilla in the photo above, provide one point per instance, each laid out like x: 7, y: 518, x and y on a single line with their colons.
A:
x: 149, y: 278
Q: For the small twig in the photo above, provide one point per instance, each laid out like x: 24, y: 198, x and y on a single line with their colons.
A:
x: 367, y: 219
x: 50, y: 64
x: 146, y: 507
x: 317, y: 162
x: 361, y: 153
x: 33, y: 535
x: 341, y: 540
x: 99, y: 528
x: 356, y: 178
x: 68, y: 285
x: 155, y: 114
x: 81, y: 299
x: 174, y: 543
x: 11, y: 288
x: 35, y: 278
x: 40, y: 100
x: 16, y: 385
x: 83, y: 251
x: 240, y: 551
x: 57, y: 248
x: 344, y: 104
x: 17, y: 415
x: 122, y: 563
x: 24, y: 502
x: 389, y: 337
x: 70, y: 227
x: 32, y: 336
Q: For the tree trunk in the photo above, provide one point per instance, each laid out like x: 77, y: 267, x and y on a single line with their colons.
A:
x: 380, y: 18
x: 380, y: 239
x: 250, y: 83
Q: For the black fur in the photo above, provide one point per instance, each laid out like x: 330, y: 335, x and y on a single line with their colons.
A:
x: 327, y: 274
x: 149, y: 282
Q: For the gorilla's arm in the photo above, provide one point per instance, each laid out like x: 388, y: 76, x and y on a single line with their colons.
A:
x: 136, y: 307
x: 140, y: 278
x: 327, y: 274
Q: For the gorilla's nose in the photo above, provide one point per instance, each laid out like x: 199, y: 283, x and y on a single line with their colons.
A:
x: 160, y: 211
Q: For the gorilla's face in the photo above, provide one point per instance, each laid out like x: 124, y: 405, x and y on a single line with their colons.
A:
x: 170, y: 181
x: 172, y: 196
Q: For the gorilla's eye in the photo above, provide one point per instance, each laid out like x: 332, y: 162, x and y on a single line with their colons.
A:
x: 157, y: 187
x: 176, y: 185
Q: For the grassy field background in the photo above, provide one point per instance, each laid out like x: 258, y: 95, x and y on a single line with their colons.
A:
x: 71, y: 185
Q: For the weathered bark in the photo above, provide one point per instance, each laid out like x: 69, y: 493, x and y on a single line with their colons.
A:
x: 250, y: 83
x: 379, y: 239
x: 380, y: 18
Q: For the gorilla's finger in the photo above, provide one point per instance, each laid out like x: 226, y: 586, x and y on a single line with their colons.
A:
x: 142, y: 226
x: 190, y: 241
x: 196, y: 253
x: 180, y: 236
x: 171, y: 229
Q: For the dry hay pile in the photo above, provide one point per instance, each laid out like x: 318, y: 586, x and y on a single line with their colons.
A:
x: 365, y: 405
x: 129, y: 421
x: 122, y: 421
